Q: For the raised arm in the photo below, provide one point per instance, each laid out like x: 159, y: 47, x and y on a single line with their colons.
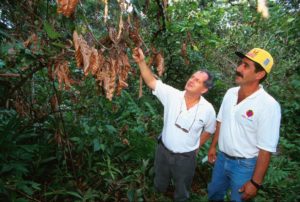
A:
x: 146, y: 72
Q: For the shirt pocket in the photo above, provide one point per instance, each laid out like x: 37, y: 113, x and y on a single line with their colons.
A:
x: 198, y: 126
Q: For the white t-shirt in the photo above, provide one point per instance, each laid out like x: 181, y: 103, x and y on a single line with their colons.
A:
x: 201, y: 117
x: 251, y: 125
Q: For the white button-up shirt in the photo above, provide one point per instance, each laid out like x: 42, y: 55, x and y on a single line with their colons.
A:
x: 201, y: 117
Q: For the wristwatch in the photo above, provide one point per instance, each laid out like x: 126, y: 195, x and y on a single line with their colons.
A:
x: 258, y: 186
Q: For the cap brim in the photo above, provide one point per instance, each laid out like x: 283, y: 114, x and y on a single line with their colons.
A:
x: 242, y: 55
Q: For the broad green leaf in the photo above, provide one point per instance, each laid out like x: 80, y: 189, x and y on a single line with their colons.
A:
x: 195, y: 48
x: 2, y: 63
x: 96, y: 144
x: 50, y: 31
x: 111, y: 129
x: 25, y: 188
x: 21, y: 200
x: 290, y: 20
x: 74, y: 194
x: 130, y: 195
x: 60, y: 45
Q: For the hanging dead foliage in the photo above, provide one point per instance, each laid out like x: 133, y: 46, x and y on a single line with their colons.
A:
x: 134, y: 33
x: 262, y: 8
x: 62, y: 72
x: 66, y: 7
x: 159, y: 61
x: 109, y: 64
x: 82, y: 53
x: 50, y: 72
x: 32, y: 42
x: 58, y: 137
x: 21, y: 106
x: 121, y: 27
x: 124, y: 68
x: 111, y: 69
x: 105, y: 10
x: 188, y: 41
x: 183, y: 49
x: 184, y: 53
x: 54, y: 103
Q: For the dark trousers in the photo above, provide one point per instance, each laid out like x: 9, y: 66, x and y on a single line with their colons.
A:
x: 177, y: 166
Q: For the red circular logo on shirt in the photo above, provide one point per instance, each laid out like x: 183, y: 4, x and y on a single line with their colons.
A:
x: 249, y: 113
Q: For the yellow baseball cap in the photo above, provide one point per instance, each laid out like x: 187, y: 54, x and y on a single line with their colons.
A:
x: 260, y: 56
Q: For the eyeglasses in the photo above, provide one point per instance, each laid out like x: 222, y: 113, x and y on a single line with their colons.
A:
x: 185, y: 129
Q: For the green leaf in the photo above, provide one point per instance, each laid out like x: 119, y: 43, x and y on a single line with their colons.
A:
x: 50, y: 31
x: 60, y: 45
x: 130, y: 195
x: 195, y: 48
x: 25, y: 188
x: 290, y: 20
x: 21, y: 200
x: 96, y: 144
x: 74, y: 194
x: 2, y: 63
x: 111, y: 129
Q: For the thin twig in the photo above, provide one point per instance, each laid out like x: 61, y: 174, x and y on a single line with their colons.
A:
x: 8, y: 75
x: 90, y: 29
x: 24, y: 79
x: 65, y: 133
x: 23, y: 194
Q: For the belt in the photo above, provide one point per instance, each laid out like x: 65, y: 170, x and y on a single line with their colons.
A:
x: 233, y: 157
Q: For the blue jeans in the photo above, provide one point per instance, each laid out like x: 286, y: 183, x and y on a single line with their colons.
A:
x: 230, y: 173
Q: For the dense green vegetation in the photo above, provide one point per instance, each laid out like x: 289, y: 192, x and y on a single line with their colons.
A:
x: 76, y: 145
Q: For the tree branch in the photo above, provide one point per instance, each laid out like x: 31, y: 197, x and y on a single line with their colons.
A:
x: 9, y: 75
x: 24, y: 79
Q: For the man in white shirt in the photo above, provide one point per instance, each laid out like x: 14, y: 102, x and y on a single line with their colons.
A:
x: 189, y: 120
x: 247, y: 131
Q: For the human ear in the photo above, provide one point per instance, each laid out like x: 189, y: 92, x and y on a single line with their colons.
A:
x: 204, y: 90
x: 260, y: 74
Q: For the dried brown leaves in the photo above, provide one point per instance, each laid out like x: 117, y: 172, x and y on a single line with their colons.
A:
x: 32, y: 42
x: 66, y: 7
x: 188, y: 41
x: 21, y: 106
x: 109, y: 65
x: 158, y: 60
x: 110, y: 70
x: 62, y: 72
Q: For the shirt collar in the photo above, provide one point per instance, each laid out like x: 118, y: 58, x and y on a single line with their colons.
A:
x: 201, y: 101
x: 255, y: 94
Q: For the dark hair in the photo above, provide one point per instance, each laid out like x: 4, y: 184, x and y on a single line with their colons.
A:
x: 259, y: 68
x: 209, y: 83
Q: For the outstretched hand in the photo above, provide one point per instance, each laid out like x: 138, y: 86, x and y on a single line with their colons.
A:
x: 138, y: 55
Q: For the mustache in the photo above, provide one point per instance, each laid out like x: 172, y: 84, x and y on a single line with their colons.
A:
x: 238, y: 74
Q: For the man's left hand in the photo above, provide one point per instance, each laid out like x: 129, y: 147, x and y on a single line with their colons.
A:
x: 249, y: 191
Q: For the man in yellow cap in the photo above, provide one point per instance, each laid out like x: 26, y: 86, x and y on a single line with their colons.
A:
x: 247, y: 131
